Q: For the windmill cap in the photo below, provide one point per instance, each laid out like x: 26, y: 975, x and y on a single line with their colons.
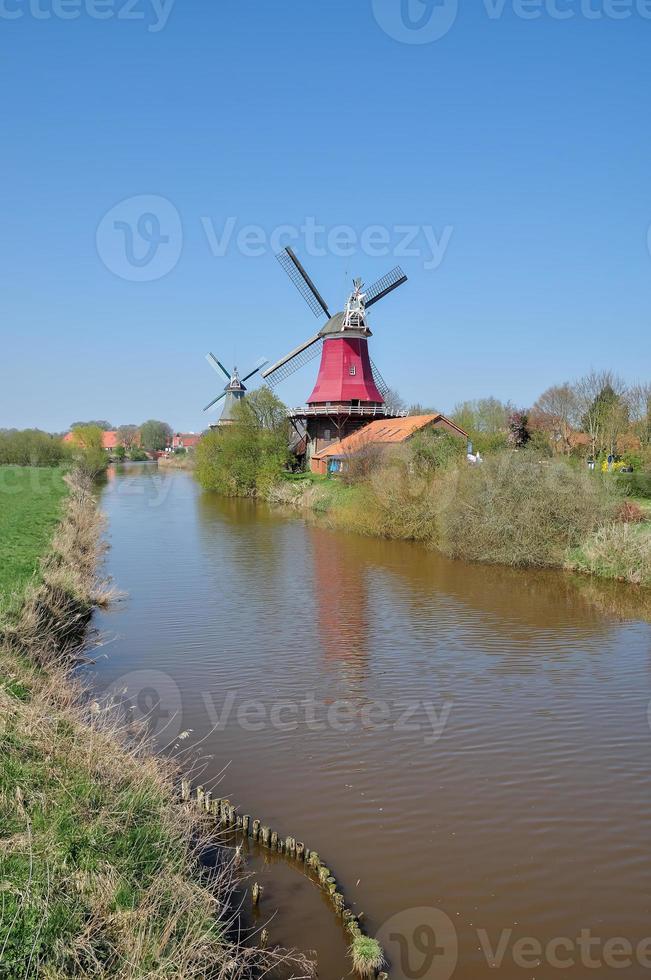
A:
x: 335, y: 325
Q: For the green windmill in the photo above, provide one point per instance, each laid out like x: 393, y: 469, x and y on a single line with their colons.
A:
x: 234, y: 391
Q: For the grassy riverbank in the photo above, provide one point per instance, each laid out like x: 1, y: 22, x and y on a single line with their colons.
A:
x: 100, y: 866
x: 513, y: 510
x: 31, y: 500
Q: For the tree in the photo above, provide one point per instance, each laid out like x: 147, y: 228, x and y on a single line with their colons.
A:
x: 248, y: 456
x: 128, y: 435
x: 557, y: 413
x: 267, y: 410
x: 393, y: 402
x: 601, y: 397
x: 519, y: 434
x: 101, y: 424
x: 418, y: 409
x: 154, y: 435
x: 88, y: 449
x: 639, y: 401
x: 487, y: 415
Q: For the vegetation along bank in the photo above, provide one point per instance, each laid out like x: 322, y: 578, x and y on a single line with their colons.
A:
x: 102, y: 869
x: 533, y: 500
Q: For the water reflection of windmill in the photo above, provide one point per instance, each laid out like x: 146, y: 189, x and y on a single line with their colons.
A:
x: 349, y: 390
x: 234, y: 391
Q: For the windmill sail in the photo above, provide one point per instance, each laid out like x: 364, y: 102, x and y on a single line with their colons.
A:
x: 380, y: 383
x: 384, y: 286
x: 286, y: 366
x: 290, y: 263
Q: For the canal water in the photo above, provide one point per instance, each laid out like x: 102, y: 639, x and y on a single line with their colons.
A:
x: 468, y: 747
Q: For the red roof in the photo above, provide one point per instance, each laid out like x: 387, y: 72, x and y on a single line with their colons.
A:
x: 185, y: 440
x: 109, y: 439
x: 388, y: 431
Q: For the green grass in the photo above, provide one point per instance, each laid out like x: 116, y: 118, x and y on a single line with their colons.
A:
x: 30, y: 507
x: 99, y: 869
x: 93, y: 857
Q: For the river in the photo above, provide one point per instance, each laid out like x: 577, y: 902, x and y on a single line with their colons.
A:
x: 468, y: 747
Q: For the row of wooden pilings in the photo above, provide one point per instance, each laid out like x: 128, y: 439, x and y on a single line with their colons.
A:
x: 226, y: 816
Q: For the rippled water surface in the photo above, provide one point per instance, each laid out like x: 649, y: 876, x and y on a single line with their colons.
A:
x: 464, y: 740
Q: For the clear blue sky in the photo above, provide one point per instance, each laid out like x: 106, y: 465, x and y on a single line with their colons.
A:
x: 527, y: 139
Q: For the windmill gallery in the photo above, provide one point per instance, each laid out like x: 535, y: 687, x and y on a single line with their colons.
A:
x: 349, y: 397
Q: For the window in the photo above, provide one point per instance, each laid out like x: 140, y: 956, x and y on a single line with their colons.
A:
x: 352, y: 370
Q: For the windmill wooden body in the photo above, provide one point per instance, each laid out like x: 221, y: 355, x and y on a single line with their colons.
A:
x: 349, y: 390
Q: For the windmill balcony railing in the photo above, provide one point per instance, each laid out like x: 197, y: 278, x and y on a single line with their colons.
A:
x: 345, y: 408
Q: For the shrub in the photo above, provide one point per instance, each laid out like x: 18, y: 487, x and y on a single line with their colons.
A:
x: 361, y: 465
x: 88, y: 450
x: 515, y: 510
x: 620, y: 551
x: 246, y: 458
x: 31, y: 447
x: 629, y: 512
x: 434, y: 450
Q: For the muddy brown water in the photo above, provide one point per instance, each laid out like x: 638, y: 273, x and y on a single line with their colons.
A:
x: 468, y: 747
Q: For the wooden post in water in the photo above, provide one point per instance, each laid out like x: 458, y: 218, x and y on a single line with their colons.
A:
x: 300, y: 851
x: 274, y: 840
x: 246, y: 824
x: 186, y: 790
x: 256, y: 829
x: 200, y: 795
x: 256, y: 893
x: 265, y: 836
x: 207, y: 797
x: 264, y: 939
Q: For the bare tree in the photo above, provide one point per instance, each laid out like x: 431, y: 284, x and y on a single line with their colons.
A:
x: 557, y: 413
x: 128, y: 435
x: 639, y: 401
x: 393, y: 402
x: 602, y: 403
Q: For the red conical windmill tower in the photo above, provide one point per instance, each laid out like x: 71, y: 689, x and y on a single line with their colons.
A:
x: 349, y: 390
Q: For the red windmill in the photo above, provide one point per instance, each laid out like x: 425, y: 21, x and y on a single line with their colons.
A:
x: 349, y: 390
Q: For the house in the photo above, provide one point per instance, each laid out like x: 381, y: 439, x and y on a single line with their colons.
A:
x: 382, y: 432
x: 110, y: 440
x: 184, y: 440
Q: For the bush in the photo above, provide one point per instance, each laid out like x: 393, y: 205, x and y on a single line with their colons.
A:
x: 31, y: 447
x: 88, y: 450
x: 620, y: 551
x: 514, y: 510
x: 434, y: 450
x: 246, y: 458
x: 633, y: 484
x: 137, y: 455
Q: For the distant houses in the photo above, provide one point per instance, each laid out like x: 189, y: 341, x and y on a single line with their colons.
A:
x: 110, y: 439
x: 184, y: 440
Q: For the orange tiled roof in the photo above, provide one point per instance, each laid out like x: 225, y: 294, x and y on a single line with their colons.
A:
x: 384, y: 431
x: 109, y: 439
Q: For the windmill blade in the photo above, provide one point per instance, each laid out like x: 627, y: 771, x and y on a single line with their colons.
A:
x: 212, y: 360
x: 215, y: 400
x: 293, y: 361
x: 380, y: 383
x: 302, y: 281
x: 384, y: 286
x: 255, y: 370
